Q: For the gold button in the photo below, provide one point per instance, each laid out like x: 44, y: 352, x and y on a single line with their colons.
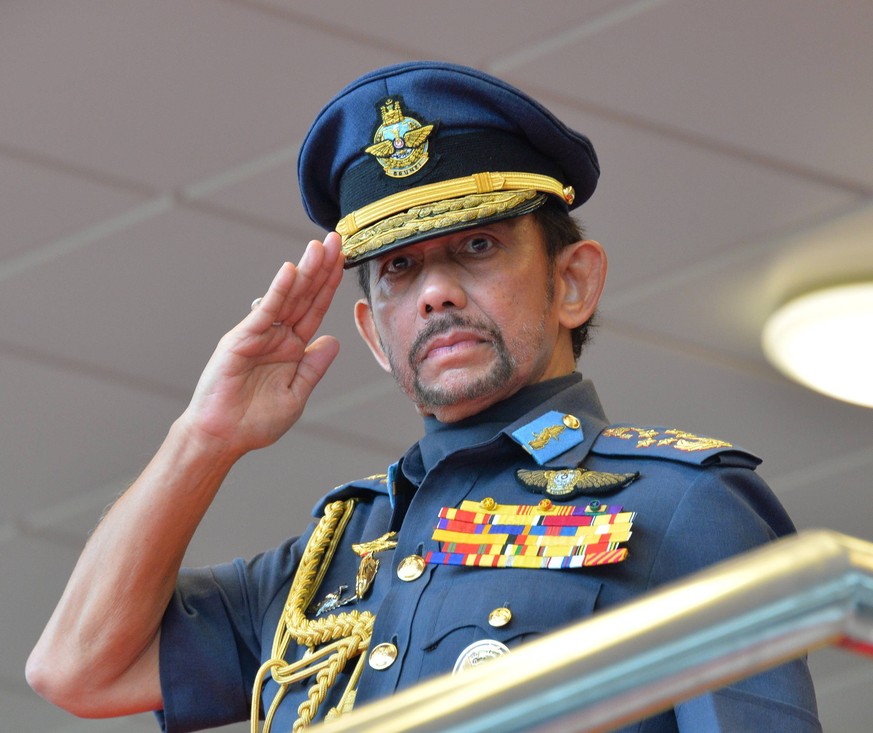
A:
x: 572, y: 422
x: 411, y: 568
x: 544, y: 505
x: 488, y: 504
x: 500, y: 617
x: 383, y: 656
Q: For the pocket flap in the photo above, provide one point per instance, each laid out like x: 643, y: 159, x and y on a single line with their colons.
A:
x: 538, y: 602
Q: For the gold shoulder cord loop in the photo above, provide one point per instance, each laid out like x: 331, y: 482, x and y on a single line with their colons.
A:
x: 349, y: 632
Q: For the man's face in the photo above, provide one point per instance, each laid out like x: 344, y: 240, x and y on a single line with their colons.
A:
x: 465, y: 320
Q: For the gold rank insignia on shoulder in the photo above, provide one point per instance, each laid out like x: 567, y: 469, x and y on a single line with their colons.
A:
x: 568, y: 483
x: 677, y: 439
x: 400, y: 143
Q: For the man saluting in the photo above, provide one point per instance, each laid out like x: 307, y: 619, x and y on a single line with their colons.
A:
x: 521, y: 509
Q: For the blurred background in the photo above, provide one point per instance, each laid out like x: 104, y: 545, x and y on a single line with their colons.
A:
x: 148, y: 194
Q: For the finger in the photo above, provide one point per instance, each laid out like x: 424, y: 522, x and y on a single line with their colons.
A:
x: 333, y: 245
x: 265, y: 310
x: 319, y: 264
x: 295, y: 288
x: 288, y: 287
x: 311, y: 318
x: 256, y: 303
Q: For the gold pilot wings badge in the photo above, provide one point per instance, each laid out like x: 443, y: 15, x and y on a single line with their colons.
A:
x: 567, y: 483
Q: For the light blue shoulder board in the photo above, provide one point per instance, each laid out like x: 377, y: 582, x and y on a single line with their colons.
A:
x: 671, y: 444
x: 549, y: 436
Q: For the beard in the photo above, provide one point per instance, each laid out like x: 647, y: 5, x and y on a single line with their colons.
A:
x: 496, y: 378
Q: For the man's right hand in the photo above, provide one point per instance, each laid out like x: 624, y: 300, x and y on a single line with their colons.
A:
x: 257, y: 382
x: 99, y: 653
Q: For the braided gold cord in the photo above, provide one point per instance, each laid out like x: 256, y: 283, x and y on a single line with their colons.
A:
x: 326, y: 678
x: 432, y: 216
x: 478, y: 183
x: 347, y: 702
x: 349, y: 632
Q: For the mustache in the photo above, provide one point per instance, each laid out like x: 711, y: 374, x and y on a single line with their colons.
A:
x: 444, y: 324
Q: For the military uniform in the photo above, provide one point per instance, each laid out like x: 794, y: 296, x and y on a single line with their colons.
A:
x: 688, y: 501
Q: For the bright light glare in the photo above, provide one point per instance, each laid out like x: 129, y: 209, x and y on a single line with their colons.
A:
x: 824, y: 340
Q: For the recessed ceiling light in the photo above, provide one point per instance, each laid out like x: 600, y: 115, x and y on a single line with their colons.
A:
x: 824, y: 340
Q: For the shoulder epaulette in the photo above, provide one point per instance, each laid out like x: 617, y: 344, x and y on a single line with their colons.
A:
x: 549, y: 435
x: 671, y: 444
x: 376, y: 484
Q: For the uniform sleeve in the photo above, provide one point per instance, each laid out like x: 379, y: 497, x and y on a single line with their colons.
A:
x: 211, y: 638
x: 727, y: 511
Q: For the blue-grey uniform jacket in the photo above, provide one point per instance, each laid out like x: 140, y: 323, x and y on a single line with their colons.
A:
x: 694, y: 500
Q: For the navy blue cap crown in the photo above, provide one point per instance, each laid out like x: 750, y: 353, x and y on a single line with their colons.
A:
x: 419, y: 149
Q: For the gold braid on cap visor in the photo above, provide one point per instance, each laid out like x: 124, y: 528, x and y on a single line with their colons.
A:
x: 441, y: 205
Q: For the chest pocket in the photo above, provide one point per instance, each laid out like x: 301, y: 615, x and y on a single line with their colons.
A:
x: 506, y: 605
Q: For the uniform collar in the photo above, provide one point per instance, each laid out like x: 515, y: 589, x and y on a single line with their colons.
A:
x: 568, y: 393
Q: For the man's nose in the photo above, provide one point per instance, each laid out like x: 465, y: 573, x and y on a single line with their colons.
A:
x: 440, y: 291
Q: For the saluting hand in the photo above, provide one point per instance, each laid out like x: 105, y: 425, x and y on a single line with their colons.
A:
x: 257, y: 382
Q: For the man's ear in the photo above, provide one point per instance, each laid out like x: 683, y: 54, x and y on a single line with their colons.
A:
x: 580, y: 273
x: 367, y: 329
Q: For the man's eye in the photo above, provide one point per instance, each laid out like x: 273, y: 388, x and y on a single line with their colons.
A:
x: 397, y: 264
x: 478, y: 245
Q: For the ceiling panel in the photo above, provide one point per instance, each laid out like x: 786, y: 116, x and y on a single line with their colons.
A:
x: 39, y: 204
x: 819, y: 495
x: 471, y: 33
x: 265, y: 191
x: 25, y: 565
x: 775, y: 79
x: 735, y: 291
x: 161, y: 93
x: 149, y: 302
x: 845, y: 705
x: 662, y: 205
x: 68, y: 431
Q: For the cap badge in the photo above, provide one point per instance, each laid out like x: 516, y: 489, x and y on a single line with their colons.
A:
x: 400, y: 142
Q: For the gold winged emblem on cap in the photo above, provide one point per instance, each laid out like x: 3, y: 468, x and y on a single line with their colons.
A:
x: 400, y: 142
x: 567, y: 483
x: 412, y: 139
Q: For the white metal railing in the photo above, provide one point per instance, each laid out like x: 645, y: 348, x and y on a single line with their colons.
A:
x: 724, y: 623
